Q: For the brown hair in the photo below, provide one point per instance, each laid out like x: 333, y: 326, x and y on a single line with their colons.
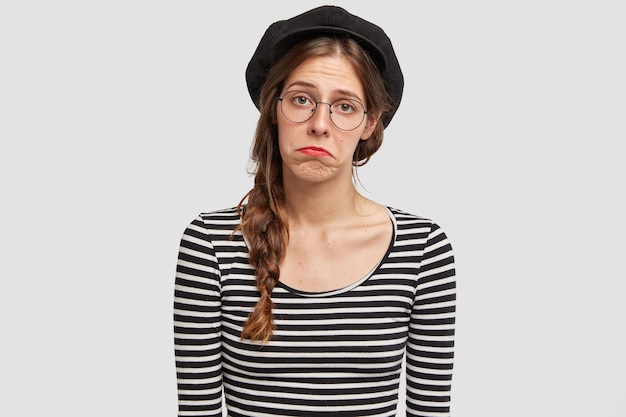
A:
x: 264, y: 217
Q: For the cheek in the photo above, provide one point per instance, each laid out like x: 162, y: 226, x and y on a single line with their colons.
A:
x: 282, y: 125
x: 283, y: 142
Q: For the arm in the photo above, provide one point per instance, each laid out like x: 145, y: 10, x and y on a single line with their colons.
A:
x: 430, y: 347
x: 197, y: 306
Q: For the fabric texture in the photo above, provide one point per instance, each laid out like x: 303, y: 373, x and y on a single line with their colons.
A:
x: 337, y: 353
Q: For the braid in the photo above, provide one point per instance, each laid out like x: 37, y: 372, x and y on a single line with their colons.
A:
x: 264, y: 223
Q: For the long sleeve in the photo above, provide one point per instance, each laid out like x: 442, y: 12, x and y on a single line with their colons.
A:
x: 430, y: 347
x: 197, y: 320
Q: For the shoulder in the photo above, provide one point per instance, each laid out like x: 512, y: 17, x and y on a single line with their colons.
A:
x: 407, y: 219
x: 227, y: 216
x: 217, y: 222
x: 411, y: 225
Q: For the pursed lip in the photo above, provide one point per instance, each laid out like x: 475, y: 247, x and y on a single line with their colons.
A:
x: 314, y: 151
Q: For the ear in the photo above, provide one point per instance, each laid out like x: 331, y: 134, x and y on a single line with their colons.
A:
x: 370, y: 125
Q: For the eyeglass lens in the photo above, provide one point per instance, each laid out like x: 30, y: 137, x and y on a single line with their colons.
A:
x: 345, y: 113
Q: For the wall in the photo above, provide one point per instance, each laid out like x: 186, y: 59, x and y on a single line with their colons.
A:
x: 122, y: 120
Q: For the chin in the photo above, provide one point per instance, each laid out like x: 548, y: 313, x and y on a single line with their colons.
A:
x: 315, y: 172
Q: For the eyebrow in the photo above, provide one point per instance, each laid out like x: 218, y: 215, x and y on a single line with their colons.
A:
x: 304, y: 84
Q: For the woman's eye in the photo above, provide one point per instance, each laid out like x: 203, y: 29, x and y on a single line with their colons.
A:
x: 345, y: 107
x: 301, y: 100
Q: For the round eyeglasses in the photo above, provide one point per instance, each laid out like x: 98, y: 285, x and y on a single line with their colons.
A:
x: 345, y: 113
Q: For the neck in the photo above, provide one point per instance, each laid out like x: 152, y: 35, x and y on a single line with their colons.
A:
x: 321, y: 203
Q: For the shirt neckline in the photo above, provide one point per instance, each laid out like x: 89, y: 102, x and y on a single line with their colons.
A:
x: 357, y: 283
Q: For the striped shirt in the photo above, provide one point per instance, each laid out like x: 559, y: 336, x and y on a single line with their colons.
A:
x: 337, y: 353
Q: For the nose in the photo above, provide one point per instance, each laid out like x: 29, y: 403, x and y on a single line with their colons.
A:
x: 320, y: 122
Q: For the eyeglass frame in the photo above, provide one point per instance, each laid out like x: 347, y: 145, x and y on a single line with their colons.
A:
x: 330, y: 112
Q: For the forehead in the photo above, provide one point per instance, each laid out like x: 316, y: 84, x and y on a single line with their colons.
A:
x: 327, y: 74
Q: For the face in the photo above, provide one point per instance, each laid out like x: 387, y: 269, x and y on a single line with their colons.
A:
x: 316, y: 150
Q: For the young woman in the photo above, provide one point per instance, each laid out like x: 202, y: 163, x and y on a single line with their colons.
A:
x: 303, y: 299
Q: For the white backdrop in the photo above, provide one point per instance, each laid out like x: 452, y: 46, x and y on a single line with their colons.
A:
x: 120, y: 121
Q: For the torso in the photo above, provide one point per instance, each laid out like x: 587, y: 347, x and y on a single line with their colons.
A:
x: 337, y: 352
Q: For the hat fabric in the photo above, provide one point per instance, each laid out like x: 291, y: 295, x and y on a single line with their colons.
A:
x: 324, y: 20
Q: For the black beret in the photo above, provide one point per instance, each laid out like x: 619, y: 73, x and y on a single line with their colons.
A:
x: 283, y: 34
